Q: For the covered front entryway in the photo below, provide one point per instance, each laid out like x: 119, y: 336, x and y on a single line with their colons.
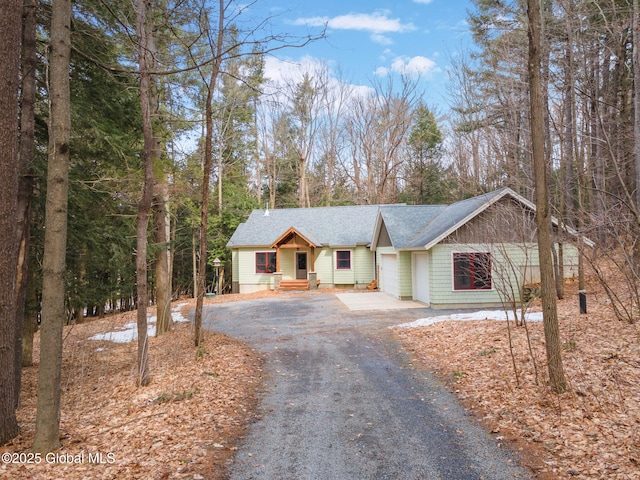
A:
x: 389, y: 275
x: 295, y: 259
x: 420, y: 269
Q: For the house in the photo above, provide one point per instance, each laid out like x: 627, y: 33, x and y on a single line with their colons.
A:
x: 469, y: 253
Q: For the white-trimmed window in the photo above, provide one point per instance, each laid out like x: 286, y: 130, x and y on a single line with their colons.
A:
x: 343, y: 259
x: 265, y: 262
x: 472, y: 271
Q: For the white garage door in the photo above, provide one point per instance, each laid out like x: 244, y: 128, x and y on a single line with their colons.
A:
x: 389, y: 275
x: 421, y: 277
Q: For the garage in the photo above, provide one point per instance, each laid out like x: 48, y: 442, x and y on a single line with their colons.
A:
x: 389, y: 275
x: 420, y: 268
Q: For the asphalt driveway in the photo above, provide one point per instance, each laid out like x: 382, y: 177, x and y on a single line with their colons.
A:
x: 342, y: 400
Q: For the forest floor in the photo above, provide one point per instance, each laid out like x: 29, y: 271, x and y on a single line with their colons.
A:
x: 185, y: 424
x: 188, y: 422
x: 592, y: 431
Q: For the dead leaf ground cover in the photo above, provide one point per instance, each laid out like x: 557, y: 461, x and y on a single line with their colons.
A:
x: 593, y: 431
x: 187, y: 423
x: 184, y: 425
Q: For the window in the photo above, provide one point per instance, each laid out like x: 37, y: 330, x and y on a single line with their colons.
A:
x: 265, y: 262
x: 472, y: 271
x: 343, y: 259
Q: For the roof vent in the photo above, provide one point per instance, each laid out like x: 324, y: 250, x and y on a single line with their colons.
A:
x: 266, y: 210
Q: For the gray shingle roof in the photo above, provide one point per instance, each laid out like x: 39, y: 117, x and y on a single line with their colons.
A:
x: 409, y: 226
x: 404, y: 222
x: 452, y: 217
x: 326, y: 226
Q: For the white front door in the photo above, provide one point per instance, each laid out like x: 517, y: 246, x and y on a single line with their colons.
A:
x: 420, y: 279
x: 389, y: 275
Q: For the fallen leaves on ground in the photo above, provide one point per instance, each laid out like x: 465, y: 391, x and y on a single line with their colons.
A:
x: 185, y: 424
x: 592, y: 431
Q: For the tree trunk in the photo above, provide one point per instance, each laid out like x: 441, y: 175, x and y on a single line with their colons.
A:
x: 10, y: 30
x: 543, y: 224
x: 30, y: 320
x: 194, y: 259
x: 303, y: 198
x: 636, y: 126
x: 144, y: 206
x: 55, y: 237
x: 206, y: 174
x: 220, y: 172
x: 163, y: 276
x: 204, y: 216
x: 25, y: 186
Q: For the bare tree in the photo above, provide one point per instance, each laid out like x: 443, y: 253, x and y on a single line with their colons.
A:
x: 162, y: 235
x: 512, y: 266
x: 217, y: 49
x: 543, y: 217
x: 378, y: 128
x: 145, y: 65
x: 55, y: 242
x: 614, y: 263
x: 335, y: 100
x: 636, y: 119
x: 27, y: 153
x: 305, y: 104
x: 269, y: 118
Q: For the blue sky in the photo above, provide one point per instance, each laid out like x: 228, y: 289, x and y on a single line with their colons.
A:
x: 373, y: 39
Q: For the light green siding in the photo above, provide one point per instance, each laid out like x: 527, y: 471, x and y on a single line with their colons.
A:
x: 245, y: 266
x: 235, y: 270
x: 324, y: 267
x: 288, y: 263
x: 359, y: 275
x: 511, y: 263
x: 442, y: 293
x: 364, y: 266
x: 235, y: 284
x: 570, y: 259
x: 344, y: 276
x: 361, y: 271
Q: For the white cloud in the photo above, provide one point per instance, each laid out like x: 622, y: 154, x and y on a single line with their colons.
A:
x: 377, y: 22
x: 381, y: 72
x: 381, y: 39
x: 423, y: 2
x: 285, y: 71
x: 414, y: 66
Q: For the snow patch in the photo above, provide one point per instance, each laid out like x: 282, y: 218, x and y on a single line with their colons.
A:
x: 129, y: 331
x: 481, y: 315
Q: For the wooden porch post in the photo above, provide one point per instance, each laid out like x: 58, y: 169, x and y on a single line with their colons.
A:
x: 313, y: 258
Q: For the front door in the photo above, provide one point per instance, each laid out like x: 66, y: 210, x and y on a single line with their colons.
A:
x: 301, y: 265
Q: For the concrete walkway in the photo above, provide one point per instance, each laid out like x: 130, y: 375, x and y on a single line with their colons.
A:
x: 360, y: 301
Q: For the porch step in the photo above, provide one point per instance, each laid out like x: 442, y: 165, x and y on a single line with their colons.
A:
x: 294, y: 285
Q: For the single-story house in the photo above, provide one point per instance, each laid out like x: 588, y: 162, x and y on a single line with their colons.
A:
x: 472, y: 252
